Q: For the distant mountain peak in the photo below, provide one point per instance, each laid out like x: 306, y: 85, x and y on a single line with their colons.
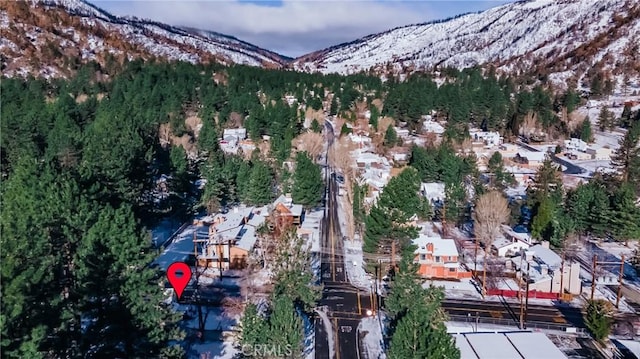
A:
x: 561, y: 38
x: 50, y: 37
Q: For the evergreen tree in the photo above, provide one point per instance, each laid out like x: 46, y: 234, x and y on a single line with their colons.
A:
x: 627, y: 157
x: 260, y: 186
x: 375, y: 115
x: 605, y: 119
x: 285, y: 321
x: 398, y: 203
x: 625, y: 118
x: 315, y: 126
x: 307, y: 181
x: 417, y: 326
x: 585, y: 130
x: 626, y: 214
x: 345, y: 130
x: 501, y: 178
x: 253, y: 327
x: 390, y: 137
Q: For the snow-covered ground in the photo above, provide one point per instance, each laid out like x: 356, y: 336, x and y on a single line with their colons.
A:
x: 213, y: 350
x: 370, y: 332
x: 161, y: 233
x: 354, y: 257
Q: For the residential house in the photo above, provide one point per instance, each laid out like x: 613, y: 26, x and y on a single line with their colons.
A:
x: 431, y: 126
x: 286, y: 212
x: 402, y: 133
x: 508, y: 150
x: 360, y: 140
x: 575, y: 144
x: 510, y: 242
x: 231, y: 238
x: 438, y: 258
x: 546, y: 271
x: 231, y: 138
x: 489, y: 139
x: 531, y: 158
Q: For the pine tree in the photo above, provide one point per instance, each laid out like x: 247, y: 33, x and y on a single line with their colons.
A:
x: 398, y: 203
x: 626, y: 214
x: 315, y: 126
x: 254, y: 328
x: 418, y: 329
x: 585, y: 130
x: 285, y: 321
x: 390, y: 137
x: 307, y: 181
x: 260, y: 186
x: 626, y: 159
x: 605, y: 119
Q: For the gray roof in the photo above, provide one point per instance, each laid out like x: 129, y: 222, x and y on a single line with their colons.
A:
x: 514, y: 345
x: 546, y: 255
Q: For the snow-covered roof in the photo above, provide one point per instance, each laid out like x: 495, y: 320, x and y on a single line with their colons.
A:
x: 533, y: 156
x: 433, y: 190
x: 248, y: 238
x: 510, y: 345
x: 232, y: 219
x: 441, y: 246
x: 546, y: 255
x: 296, y: 209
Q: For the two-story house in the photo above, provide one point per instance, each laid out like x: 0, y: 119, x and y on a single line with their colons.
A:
x: 438, y: 258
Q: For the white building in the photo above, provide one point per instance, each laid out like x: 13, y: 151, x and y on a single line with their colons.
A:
x: 231, y: 138
x: 546, y: 271
x: 432, y: 127
x: 511, y: 242
x: 487, y: 138
x: 575, y: 144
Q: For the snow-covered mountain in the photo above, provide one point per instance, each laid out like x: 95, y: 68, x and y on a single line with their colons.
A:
x: 48, y: 37
x: 558, y: 38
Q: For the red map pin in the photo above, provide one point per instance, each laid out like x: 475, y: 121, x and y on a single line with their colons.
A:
x: 179, y: 275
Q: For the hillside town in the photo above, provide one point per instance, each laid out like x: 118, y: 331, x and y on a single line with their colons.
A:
x: 461, y: 188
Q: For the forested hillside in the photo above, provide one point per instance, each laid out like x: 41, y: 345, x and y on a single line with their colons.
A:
x: 81, y: 160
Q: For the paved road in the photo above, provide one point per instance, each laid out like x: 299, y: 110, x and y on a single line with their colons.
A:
x: 561, y: 316
x: 345, y: 304
x: 571, y: 169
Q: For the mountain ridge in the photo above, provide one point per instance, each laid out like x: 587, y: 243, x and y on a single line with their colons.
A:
x: 561, y: 40
x: 42, y: 37
x: 548, y: 37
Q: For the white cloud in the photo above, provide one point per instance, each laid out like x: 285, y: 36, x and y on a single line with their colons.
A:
x: 293, y: 28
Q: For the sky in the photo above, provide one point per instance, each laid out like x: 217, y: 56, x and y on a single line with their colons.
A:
x: 294, y: 27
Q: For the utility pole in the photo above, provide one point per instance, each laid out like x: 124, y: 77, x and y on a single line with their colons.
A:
x: 520, y: 295
x: 593, y: 275
x: 619, y: 294
x: 562, y: 278
x: 526, y: 302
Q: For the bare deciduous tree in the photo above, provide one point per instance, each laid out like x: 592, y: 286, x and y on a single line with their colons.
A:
x: 491, y: 211
x: 310, y: 142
